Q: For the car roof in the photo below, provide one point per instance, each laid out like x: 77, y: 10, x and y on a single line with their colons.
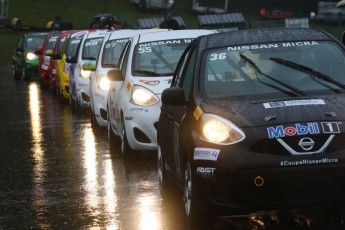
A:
x: 97, y: 33
x: 34, y: 34
x: 130, y: 32
x: 251, y: 36
x: 172, y: 34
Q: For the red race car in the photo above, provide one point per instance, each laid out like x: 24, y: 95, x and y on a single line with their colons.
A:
x: 44, y: 63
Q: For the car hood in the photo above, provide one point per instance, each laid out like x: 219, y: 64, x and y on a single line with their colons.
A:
x: 253, y: 113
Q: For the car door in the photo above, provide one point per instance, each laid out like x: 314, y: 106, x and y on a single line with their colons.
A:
x: 174, y: 116
x: 116, y: 87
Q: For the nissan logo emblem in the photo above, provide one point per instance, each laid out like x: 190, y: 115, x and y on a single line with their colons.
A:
x: 306, y: 143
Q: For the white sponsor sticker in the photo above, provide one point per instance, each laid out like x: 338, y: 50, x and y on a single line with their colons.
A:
x: 275, y: 104
x: 325, y: 160
x: 206, y: 154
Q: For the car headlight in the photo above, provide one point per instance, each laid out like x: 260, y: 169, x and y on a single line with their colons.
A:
x: 31, y: 56
x: 218, y: 130
x: 142, y: 96
x: 85, y: 73
x: 104, y: 83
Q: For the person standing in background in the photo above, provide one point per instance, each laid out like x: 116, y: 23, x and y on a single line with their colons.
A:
x: 169, y: 23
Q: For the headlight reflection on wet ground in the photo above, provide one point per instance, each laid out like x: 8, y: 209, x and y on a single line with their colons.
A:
x: 100, y: 197
x: 39, y: 191
x: 149, y: 221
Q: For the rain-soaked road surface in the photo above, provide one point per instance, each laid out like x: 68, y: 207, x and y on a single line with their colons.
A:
x: 56, y: 173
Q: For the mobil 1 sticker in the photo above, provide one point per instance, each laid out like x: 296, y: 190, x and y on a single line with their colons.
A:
x: 299, y: 129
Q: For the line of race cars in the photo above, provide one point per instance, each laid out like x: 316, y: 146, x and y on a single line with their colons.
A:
x: 242, y: 121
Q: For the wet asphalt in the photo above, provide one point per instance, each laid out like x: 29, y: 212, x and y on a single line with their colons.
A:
x: 56, y: 172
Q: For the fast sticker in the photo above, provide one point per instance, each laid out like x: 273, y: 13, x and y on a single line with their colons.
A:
x: 205, y: 171
x: 206, y: 154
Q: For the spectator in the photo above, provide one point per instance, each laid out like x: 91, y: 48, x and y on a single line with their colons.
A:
x: 110, y: 23
x: 169, y: 23
x: 57, y: 23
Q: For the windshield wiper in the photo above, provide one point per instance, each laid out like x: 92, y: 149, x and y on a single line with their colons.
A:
x: 258, y: 70
x: 146, y: 73
x: 306, y: 69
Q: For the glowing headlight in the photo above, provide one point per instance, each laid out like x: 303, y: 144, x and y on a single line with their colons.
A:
x: 104, y: 83
x: 219, y: 130
x: 143, y: 96
x: 31, y: 56
x: 85, y: 73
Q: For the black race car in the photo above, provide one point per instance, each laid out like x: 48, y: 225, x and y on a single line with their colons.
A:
x: 254, y: 121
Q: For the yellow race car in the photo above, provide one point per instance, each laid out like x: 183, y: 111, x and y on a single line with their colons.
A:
x: 69, y: 50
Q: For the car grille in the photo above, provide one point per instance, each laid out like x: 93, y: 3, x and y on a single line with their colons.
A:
x: 269, y: 146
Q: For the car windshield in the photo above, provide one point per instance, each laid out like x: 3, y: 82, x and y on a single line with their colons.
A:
x: 34, y: 41
x: 290, y: 68
x: 51, y: 42
x: 91, y: 48
x: 111, y: 52
x: 60, y: 44
x: 72, y: 46
x: 158, y: 58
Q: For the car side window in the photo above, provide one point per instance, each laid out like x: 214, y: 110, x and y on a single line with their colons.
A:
x: 184, y: 76
x: 123, y: 61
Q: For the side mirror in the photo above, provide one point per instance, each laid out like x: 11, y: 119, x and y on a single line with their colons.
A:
x: 71, y: 59
x: 115, y: 75
x: 173, y: 96
x: 39, y: 52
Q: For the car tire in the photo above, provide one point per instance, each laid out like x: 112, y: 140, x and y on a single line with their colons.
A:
x: 60, y: 96
x: 163, y: 180
x: 112, y: 138
x: 15, y: 74
x: 125, y: 148
x: 93, y: 121
x: 194, y: 216
x: 23, y: 74
x: 71, y: 103
x: 76, y: 105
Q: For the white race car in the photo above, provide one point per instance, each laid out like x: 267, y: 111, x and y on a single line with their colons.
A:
x: 90, y: 45
x: 146, y: 69
x: 109, y: 56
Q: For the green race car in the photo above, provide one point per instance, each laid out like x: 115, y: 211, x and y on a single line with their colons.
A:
x: 25, y: 60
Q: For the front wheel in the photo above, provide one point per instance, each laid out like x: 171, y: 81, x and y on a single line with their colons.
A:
x: 164, y: 184
x: 15, y: 74
x: 188, y: 197
x: 195, y: 217
x: 112, y: 139
x: 125, y: 148
x: 71, y: 103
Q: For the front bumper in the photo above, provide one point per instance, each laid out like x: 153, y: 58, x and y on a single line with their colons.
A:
x: 141, y: 126
x: 31, y: 68
x: 243, y: 183
x: 83, y: 92
x: 99, y: 106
